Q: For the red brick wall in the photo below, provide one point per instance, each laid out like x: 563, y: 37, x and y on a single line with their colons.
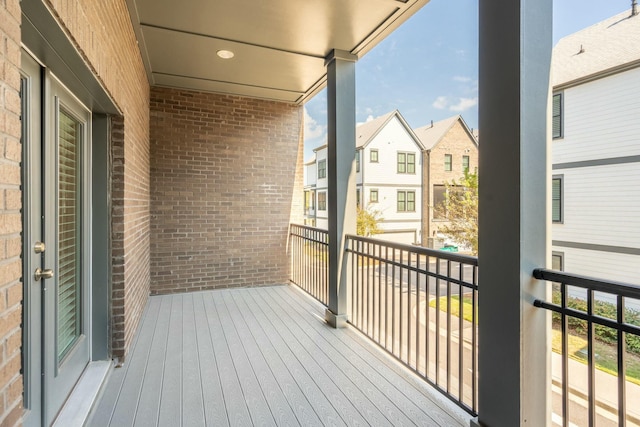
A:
x: 10, y: 219
x: 226, y: 180
x: 102, y: 32
x: 457, y: 142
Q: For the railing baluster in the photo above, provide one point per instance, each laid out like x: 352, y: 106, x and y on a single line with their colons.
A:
x: 460, y: 334
x: 409, y: 308
x: 566, y: 311
x: 565, y: 359
x: 591, y: 365
x: 378, y: 302
x: 622, y: 368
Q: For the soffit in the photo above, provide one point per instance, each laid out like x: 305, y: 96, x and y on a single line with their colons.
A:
x: 279, y: 45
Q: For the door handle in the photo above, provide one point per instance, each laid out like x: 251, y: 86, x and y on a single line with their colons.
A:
x: 47, y: 273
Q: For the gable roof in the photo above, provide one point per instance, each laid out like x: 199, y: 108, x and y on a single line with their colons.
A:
x: 367, y: 131
x: 599, y: 49
x: 431, y: 135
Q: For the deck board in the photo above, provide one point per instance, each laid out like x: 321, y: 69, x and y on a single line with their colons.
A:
x: 259, y: 356
x: 149, y: 401
x: 212, y: 394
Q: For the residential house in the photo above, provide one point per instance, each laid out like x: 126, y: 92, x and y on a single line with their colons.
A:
x: 388, y: 177
x: 310, y: 180
x: 178, y: 134
x: 596, y: 150
x: 450, y: 149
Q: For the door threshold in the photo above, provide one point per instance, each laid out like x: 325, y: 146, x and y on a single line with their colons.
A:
x: 77, y: 407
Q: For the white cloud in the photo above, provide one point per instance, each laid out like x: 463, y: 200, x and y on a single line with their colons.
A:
x: 464, y: 104
x: 369, y: 118
x: 462, y: 79
x: 312, y: 129
x: 440, y: 103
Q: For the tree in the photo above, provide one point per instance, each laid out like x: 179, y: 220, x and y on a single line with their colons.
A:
x: 460, y: 207
x: 368, y: 221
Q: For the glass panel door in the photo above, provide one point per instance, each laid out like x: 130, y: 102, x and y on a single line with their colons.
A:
x: 69, y: 221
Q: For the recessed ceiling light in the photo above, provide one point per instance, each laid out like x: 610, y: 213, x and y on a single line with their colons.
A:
x: 225, y: 54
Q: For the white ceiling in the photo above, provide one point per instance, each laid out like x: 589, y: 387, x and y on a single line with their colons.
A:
x: 279, y: 45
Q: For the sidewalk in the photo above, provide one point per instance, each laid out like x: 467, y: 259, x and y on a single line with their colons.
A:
x: 606, y: 384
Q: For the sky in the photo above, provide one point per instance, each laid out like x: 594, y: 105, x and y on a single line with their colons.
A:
x: 428, y: 67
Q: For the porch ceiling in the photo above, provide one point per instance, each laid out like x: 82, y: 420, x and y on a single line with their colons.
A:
x: 279, y: 45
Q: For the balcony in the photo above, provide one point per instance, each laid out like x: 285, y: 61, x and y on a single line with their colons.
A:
x: 260, y: 356
x: 264, y: 355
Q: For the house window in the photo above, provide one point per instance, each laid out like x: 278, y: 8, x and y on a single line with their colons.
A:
x: 406, y: 163
x: 406, y: 201
x: 373, y: 156
x: 322, y: 201
x: 310, y: 199
x: 439, y: 199
x: 448, y: 161
x: 557, y: 118
x: 322, y: 169
x: 557, y: 264
x: 556, y: 199
x: 358, y: 161
x: 373, y: 196
x: 557, y: 261
x: 465, y: 163
x: 358, y: 197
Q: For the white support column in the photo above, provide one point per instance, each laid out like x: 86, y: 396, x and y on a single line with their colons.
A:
x: 341, y: 171
x: 514, y: 358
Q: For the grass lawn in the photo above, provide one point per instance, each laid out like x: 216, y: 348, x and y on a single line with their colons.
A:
x: 606, y: 354
x: 467, y: 306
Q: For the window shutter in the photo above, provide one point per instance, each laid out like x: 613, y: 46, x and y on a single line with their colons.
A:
x: 557, y: 115
x: 556, y: 200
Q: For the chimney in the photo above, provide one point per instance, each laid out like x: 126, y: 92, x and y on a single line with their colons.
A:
x: 431, y: 123
x: 634, y: 7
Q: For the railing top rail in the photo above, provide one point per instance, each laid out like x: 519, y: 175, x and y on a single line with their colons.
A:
x: 466, y: 259
x: 607, y: 286
x: 308, y: 227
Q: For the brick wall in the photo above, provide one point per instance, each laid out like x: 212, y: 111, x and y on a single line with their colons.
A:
x: 226, y: 181
x: 102, y: 32
x: 458, y: 143
x: 10, y: 219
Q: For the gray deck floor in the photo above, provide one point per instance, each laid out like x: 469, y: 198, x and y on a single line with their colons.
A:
x: 260, y: 356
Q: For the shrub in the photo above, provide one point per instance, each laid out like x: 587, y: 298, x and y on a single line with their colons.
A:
x: 603, y: 309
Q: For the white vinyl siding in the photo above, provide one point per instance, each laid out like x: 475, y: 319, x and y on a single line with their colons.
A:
x: 601, y: 206
x: 605, y: 265
x: 601, y: 119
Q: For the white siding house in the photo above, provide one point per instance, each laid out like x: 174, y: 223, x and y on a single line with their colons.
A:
x: 596, y: 150
x: 389, y: 178
x: 310, y: 180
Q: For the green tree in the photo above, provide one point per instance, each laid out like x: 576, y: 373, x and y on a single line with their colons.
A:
x: 368, y: 221
x: 460, y: 207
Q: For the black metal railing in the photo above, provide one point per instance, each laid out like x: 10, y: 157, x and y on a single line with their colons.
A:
x: 420, y: 305
x: 309, y: 250
x: 596, y: 336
